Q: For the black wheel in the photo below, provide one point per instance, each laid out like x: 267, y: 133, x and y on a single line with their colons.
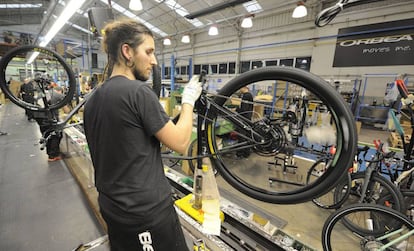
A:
x: 41, y: 66
x: 278, y: 130
x: 328, y: 200
x: 168, y: 158
x: 377, y: 234
x: 380, y: 191
x: 156, y: 79
x: 192, y: 151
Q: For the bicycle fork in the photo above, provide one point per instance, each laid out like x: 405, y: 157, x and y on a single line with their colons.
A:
x: 367, y: 183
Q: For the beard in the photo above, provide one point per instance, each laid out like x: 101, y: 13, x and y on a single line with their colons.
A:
x: 139, y: 75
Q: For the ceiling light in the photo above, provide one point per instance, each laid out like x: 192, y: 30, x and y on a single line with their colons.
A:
x: 167, y: 41
x: 213, y: 31
x: 135, y: 5
x: 66, y: 14
x: 185, y: 39
x: 300, y: 10
x: 247, y: 22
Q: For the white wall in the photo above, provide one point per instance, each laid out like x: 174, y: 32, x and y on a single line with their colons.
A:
x: 283, y: 37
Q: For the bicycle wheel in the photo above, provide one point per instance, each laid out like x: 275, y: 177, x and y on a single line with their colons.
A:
x: 46, y: 66
x: 337, y: 237
x: 278, y: 130
x: 192, y: 151
x: 328, y: 200
x: 380, y: 191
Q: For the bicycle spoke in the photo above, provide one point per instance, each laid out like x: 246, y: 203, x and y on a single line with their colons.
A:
x: 43, y: 69
x: 268, y: 154
x: 376, y: 234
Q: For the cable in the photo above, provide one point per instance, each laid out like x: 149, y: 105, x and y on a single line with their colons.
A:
x: 327, y: 15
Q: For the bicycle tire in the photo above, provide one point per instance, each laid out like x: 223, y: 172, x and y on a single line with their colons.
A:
x: 329, y: 200
x: 156, y: 80
x: 343, y: 238
x: 341, y: 116
x: 389, y: 195
x: 22, y: 50
x: 169, y: 162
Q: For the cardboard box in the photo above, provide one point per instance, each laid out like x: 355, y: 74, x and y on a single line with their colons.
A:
x: 358, y: 126
x: 176, y: 110
x: 258, y: 111
x: 165, y: 103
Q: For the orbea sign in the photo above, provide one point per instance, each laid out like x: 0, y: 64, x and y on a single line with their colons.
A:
x: 383, y: 44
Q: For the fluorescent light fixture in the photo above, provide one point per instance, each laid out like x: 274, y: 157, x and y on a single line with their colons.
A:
x: 135, y: 5
x: 75, y: 26
x: 66, y: 14
x: 33, y: 57
x: 185, y: 39
x: 20, y: 6
x: 300, y: 11
x: 213, y: 31
x: 247, y: 22
x: 167, y: 41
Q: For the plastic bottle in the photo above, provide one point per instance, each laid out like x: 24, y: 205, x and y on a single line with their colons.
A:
x: 210, y: 200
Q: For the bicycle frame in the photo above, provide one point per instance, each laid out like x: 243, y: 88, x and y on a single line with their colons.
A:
x: 395, y: 241
x: 59, y: 126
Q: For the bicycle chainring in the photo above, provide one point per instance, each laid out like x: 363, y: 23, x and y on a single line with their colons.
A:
x: 274, y: 138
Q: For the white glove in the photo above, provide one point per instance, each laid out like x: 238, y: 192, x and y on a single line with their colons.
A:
x: 191, y: 91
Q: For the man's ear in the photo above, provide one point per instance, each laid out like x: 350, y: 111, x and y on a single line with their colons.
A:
x: 126, y: 51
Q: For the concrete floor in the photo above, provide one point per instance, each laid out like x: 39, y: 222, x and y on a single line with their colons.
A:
x: 43, y: 208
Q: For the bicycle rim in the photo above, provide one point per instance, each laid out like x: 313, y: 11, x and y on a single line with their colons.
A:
x: 337, y: 237
x: 47, y: 67
x: 331, y: 200
x: 380, y: 191
x: 262, y: 175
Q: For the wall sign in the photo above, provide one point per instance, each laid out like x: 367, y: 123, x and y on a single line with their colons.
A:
x: 383, y: 44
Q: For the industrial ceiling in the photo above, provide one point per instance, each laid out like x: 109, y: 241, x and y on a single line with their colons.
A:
x: 165, y: 17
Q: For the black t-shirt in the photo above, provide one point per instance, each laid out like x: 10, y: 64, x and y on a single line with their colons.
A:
x: 246, y: 106
x: 120, y: 121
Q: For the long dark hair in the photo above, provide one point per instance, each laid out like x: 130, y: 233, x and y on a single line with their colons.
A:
x: 117, y: 33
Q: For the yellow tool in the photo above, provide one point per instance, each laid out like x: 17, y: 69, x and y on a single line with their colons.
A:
x: 186, y: 204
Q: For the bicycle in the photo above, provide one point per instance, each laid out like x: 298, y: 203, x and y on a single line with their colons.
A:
x: 266, y: 135
x: 331, y: 200
x: 370, y: 186
x: 377, y: 234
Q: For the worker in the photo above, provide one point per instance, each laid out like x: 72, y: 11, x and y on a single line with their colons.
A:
x: 27, y: 91
x: 46, y: 121
x: 124, y: 124
x: 246, y: 110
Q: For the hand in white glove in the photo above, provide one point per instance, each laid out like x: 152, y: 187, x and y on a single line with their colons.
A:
x: 191, y: 91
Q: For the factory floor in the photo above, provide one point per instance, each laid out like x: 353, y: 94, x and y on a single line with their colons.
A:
x: 44, y: 206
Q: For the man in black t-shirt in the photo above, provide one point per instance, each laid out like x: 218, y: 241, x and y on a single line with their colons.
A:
x: 246, y: 105
x: 27, y: 91
x: 124, y: 124
x: 45, y: 121
x: 246, y: 110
